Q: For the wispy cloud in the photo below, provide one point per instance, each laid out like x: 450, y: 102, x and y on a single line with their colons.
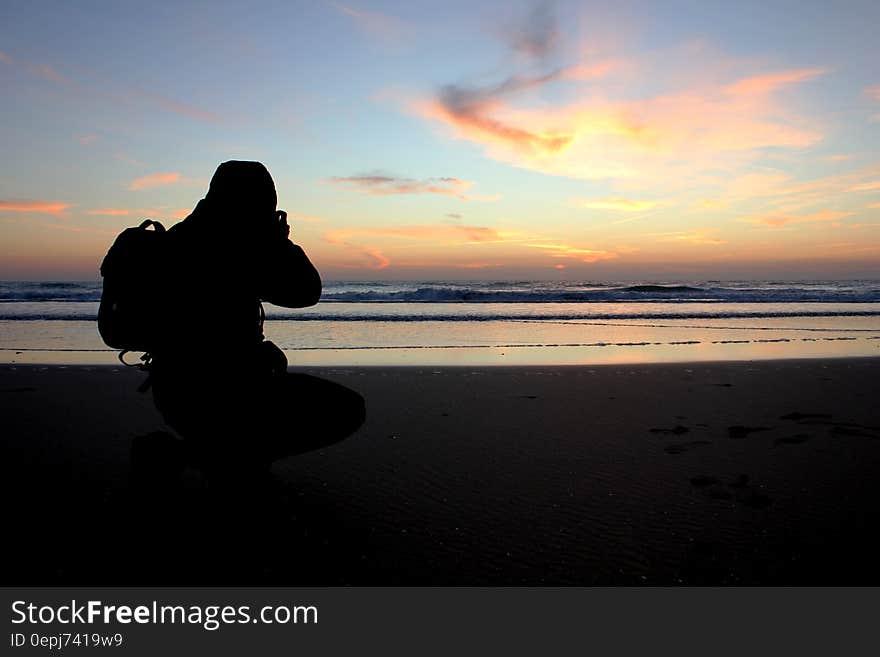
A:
x: 383, y: 27
x: 471, y: 110
x: 45, y: 71
x: 297, y: 218
x: 789, y: 195
x: 477, y: 265
x: 371, y: 257
x: 760, y: 85
x: 576, y: 253
x: 431, y: 232
x: 376, y: 259
x: 616, y: 204
x: 361, y: 242
x: 85, y: 140
x: 866, y: 187
x: 695, y: 237
x: 36, y: 69
x: 173, y: 105
x: 135, y: 96
x: 379, y: 184
x: 33, y: 207
x: 712, y: 204
x: 156, y: 213
x: 155, y: 180
x: 684, y: 133
x: 126, y: 158
x: 873, y: 92
x: 110, y: 212
x: 779, y: 220
x: 614, y: 129
x: 537, y: 35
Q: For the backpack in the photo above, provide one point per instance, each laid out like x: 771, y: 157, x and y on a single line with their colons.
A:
x: 130, y: 315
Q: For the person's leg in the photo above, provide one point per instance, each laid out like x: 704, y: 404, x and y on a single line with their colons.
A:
x: 235, y: 421
x: 306, y: 412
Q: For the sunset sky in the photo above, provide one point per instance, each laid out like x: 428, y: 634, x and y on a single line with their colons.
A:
x: 455, y: 140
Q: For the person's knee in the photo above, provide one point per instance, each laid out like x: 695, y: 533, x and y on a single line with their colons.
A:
x: 355, y: 411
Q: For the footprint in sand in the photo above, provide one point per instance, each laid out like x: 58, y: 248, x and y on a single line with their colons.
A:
x: 849, y: 429
x: 742, y: 492
x: 756, y: 501
x: 719, y: 493
x: 792, y: 440
x: 798, y: 416
x: 680, y: 448
x: 740, y: 431
x: 678, y: 429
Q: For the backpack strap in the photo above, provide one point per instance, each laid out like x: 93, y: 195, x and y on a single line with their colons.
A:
x: 144, y: 365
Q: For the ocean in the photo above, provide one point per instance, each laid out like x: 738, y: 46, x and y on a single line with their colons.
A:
x: 433, y: 323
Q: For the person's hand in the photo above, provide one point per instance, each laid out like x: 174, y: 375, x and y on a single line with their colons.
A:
x: 283, y: 226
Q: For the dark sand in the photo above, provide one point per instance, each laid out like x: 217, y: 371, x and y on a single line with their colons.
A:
x: 710, y: 473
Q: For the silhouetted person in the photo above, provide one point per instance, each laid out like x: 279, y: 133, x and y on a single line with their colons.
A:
x: 215, y: 379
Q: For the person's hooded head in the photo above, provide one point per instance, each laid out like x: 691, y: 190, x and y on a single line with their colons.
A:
x: 241, y: 189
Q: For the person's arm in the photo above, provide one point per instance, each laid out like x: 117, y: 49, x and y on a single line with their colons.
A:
x: 289, y: 278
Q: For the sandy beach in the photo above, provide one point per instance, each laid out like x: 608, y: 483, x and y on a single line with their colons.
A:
x: 759, y: 472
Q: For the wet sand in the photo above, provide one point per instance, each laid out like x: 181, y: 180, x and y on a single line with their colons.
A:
x: 763, y: 472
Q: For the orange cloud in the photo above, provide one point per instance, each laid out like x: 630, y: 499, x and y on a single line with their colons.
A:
x: 378, y: 260
x: 161, y: 212
x: 155, y: 180
x: 477, y: 265
x: 85, y: 140
x: 782, y: 220
x: 437, y: 232
x: 765, y: 84
x: 614, y: 130
x: 468, y: 111
x: 581, y: 72
x: 138, y: 96
x: 45, y: 71
x: 712, y: 204
x: 377, y: 184
x: 575, y: 253
x: 35, y: 207
x: 698, y: 237
x: 618, y: 204
x: 110, y: 212
x: 866, y: 187
x: 6, y: 59
x: 873, y: 92
x: 789, y: 195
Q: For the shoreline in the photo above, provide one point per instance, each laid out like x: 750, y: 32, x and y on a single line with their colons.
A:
x: 461, y: 367
x: 734, y: 472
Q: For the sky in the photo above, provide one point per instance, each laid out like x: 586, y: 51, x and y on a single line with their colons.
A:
x: 457, y: 140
